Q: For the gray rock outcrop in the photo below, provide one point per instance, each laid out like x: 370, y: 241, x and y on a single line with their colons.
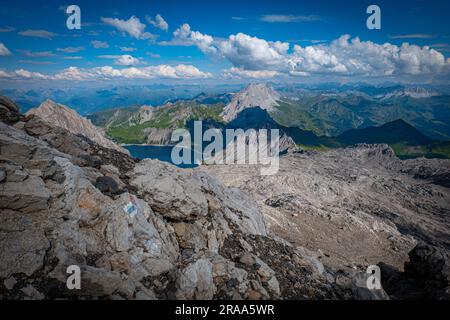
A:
x: 66, y: 118
x: 356, y: 206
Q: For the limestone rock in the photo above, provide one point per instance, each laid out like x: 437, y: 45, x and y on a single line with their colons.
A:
x: 66, y: 118
x: 196, y: 281
x: 255, y: 95
x: 174, y: 195
x: 22, y: 251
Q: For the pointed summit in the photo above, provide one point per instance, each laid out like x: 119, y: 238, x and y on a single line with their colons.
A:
x: 255, y: 95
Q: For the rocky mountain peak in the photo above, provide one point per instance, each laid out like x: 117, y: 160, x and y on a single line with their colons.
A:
x: 255, y: 95
x: 64, y: 117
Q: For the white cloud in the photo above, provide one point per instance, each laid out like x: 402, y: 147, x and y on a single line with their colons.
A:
x: 353, y: 57
x: 176, y: 42
x: 4, y: 51
x: 344, y: 56
x: 252, y: 53
x: 127, y: 49
x: 132, y: 27
x: 25, y: 74
x: 122, y: 60
x: 288, y: 18
x: 184, y: 35
x: 188, y: 71
x: 159, y: 22
x: 37, y: 54
x: 71, y: 49
x: 151, y: 72
x: 180, y: 71
x: 5, y: 74
x: 73, y: 73
x: 99, y: 44
x: 38, y: 34
x: 241, y: 73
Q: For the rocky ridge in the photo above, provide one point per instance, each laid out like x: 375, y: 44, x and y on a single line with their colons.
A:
x: 357, y: 207
x: 66, y: 118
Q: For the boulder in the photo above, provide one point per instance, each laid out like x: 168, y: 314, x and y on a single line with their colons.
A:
x: 22, y: 251
x: 175, y: 194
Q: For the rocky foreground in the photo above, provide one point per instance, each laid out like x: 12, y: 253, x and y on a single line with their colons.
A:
x: 148, y: 230
x: 354, y: 207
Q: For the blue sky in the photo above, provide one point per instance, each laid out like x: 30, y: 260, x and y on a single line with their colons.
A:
x: 224, y: 41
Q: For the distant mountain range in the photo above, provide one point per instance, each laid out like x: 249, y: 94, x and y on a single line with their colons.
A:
x: 414, y: 121
x: 407, y: 141
x: 332, y: 113
x: 88, y: 100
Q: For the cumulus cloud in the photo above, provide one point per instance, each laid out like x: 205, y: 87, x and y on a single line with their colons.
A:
x: 122, y: 60
x: 73, y: 73
x: 38, y: 34
x: 184, y: 35
x: 252, y: 53
x: 4, y: 51
x: 133, y: 27
x: 25, y: 74
x: 180, y: 71
x: 353, y: 56
x: 343, y: 56
x: 71, y: 49
x: 99, y: 44
x: 159, y: 22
